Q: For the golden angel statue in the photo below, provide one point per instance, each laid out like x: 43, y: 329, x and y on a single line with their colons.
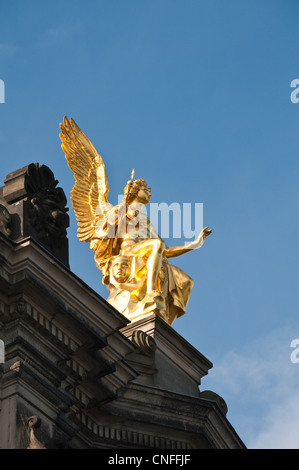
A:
x: 127, y: 249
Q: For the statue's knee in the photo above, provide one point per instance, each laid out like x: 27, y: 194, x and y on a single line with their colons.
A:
x: 159, y: 245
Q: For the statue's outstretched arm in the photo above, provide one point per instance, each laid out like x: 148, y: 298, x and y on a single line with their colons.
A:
x: 173, y: 251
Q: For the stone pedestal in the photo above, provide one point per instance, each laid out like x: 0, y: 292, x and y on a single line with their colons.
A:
x: 166, y: 360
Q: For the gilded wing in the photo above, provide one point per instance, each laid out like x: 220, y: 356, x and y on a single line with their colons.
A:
x: 89, y: 194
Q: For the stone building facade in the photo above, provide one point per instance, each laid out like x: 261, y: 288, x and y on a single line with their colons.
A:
x: 76, y: 373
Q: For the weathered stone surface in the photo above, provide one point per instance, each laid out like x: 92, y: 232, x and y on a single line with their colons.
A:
x: 64, y: 352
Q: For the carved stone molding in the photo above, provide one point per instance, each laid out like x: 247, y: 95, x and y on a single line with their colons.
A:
x: 146, y: 343
x: 5, y: 220
x: 210, y: 395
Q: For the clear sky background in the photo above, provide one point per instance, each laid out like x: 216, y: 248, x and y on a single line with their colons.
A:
x: 195, y: 96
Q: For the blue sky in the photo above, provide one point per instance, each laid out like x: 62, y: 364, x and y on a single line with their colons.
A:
x: 195, y: 96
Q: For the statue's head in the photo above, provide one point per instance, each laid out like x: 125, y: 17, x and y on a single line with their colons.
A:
x: 120, y: 268
x: 137, y: 190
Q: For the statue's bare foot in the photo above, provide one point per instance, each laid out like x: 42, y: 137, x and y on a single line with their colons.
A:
x: 155, y: 301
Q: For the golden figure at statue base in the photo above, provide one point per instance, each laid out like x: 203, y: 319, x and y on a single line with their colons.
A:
x: 132, y: 257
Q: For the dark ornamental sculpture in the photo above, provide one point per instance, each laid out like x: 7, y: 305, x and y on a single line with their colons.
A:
x: 47, y: 202
x: 32, y: 205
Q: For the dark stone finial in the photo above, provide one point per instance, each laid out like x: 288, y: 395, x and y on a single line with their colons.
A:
x: 36, y: 208
x: 47, y: 205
